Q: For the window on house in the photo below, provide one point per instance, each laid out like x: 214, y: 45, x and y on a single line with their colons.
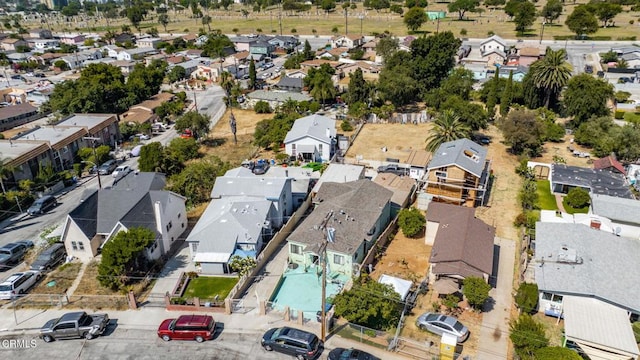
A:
x: 338, y: 259
x: 74, y: 245
x: 441, y: 176
x: 296, y: 249
x: 179, y: 215
x: 169, y: 226
x: 194, y: 247
x: 320, y: 149
x: 80, y: 246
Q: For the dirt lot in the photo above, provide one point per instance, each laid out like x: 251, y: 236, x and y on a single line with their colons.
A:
x: 63, y: 277
x: 397, y: 138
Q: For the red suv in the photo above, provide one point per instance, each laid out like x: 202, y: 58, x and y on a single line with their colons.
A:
x: 188, y: 327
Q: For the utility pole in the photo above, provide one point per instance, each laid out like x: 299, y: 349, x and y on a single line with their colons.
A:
x: 329, y: 238
x: 542, y: 32
x: 95, y: 156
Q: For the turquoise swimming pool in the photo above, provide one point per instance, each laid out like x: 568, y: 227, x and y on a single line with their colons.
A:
x: 302, y: 290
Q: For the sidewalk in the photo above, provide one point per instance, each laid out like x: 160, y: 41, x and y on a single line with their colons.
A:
x: 168, y: 277
x: 494, y: 333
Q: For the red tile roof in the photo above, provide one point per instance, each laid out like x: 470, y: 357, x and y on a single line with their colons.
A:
x: 609, y: 162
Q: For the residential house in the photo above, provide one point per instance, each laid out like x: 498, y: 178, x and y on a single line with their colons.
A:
x: 40, y: 33
x: 135, y: 200
x: 139, y: 116
x: 621, y: 213
x: 273, y: 98
x: 46, y: 59
x: 339, y: 173
x: 312, y: 138
x: 302, y: 180
x: 190, y: 66
x: 125, y: 66
x: 333, y: 53
x: 357, y: 213
x: 64, y: 143
x: 45, y: 44
x: 261, y: 48
x: 369, y: 70
x: 632, y: 59
x: 24, y: 158
x: 11, y: 44
x: 243, y: 43
x: 154, y: 102
x: 123, y: 38
x: 230, y: 226
x: 174, y: 60
x: 518, y: 72
x: 201, y: 40
x: 102, y: 126
x: 15, y: 115
x: 494, y: 58
x: 290, y: 84
x: 284, y: 43
x: 189, y: 38
x: 462, y: 246
x: 418, y: 161
x: 458, y: 173
x: 207, y: 72
x: 348, y: 41
x: 112, y: 50
x: 609, y: 163
x: 603, y: 182
x: 577, y: 260
x: 493, y: 43
x: 401, y: 186
x: 316, y: 63
x: 528, y: 55
x: 150, y: 42
x: 243, y: 183
x: 134, y: 54
x: 72, y: 39
x: 192, y: 53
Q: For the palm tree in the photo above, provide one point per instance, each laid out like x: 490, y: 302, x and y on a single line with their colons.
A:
x: 5, y: 172
x: 447, y: 127
x: 551, y: 73
x: 323, y: 89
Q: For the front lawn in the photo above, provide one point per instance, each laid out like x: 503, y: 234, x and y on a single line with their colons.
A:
x: 546, y: 199
x: 207, y: 287
x: 571, y: 210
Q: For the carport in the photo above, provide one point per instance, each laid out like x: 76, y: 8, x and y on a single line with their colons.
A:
x: 601, y: 330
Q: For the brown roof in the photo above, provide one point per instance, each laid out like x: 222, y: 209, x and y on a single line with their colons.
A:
x: 354, y: 37
x: 241, y: 55
x: 154, y: 102
x: 463, y: 245
x: 338, y: 51
x: 370, y: 44
x: 138, y: 116
x: 530, y: 51
x: 419, y: 158
x: 194, y: 52
x: 51, y: 56
x: 176, y: 59
x: 319, y: 62
x: 609, y: 163
x: 190, y: 37
x: 11, y: 40
x: 401, y: 186
x: 15, y: 110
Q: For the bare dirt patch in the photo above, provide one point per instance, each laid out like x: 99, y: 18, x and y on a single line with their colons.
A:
x: 398, y: 139
x: 63, y: 277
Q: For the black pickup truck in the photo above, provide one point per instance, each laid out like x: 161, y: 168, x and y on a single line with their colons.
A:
x: 74, y: 325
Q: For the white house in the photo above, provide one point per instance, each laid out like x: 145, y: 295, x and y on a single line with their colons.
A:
x: 312, y: 138
x: 134, y: 200
x: 148, y: 42
x: 44, y: 44
x: 347, y: 41
x: 494, y: 43
x: 112, y: 50
x: 131, y: 54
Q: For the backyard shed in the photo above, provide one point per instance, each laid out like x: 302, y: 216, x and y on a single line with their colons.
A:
x: 601, y: 330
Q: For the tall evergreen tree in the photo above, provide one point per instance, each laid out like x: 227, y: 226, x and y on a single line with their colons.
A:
x: 252, y: 75
x: 357, y: 91
x: 507, y: 96
x: 492, y: 99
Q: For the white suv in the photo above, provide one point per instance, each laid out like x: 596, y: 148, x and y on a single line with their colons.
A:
x: 18, y: 283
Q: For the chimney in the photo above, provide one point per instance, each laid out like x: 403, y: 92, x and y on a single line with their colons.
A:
x: 595, y: 224
x: 157, y: 209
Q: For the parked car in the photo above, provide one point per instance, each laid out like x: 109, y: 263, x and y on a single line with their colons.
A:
x: 77, y: 324
x: 121, y: 170
x: 260, y: 167
x: 135, y: 151
x: 440, y: 324
x: 107, y: 167
x: 188, y: 327
x: 350, y: 354
x: 186, y: 134
x: 301, y: 344
x: 12, y: 254
x: 18, y: 283
x: 393, y: 169
x: 143, y: 136
x: 42, y: 205
x: 50, y: 257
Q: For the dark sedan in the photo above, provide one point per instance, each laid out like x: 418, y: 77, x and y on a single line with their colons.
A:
x: 350, y: 354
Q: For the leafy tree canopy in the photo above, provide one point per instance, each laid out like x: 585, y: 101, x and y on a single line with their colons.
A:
x: 196, y: 180
x: 582, y: 21
x: 194, y: 121
x: 123, y: 257
x: 476, y: 290
x: 411, y: 221
x: 587, y: 96
x: 527, y: 297
x: 527, y: 336
x: 556, y: 353
x: 462, y: 6
x: 414, y: 18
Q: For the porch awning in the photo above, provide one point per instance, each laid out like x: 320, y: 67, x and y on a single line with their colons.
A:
x: 445, y: 286
x: 211, y: 257
x: 306, y: 149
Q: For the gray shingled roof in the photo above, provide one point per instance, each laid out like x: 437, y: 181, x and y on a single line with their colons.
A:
x: 314, y: 126
x: 290, y: 82
x: 464, y: 153
x: 607, y: 266
x: 263, y: 187
x: 600, y: 181
x: 362, y: 201
x: 280, y: 96
x: 616, y: 209
x: 85, y: 215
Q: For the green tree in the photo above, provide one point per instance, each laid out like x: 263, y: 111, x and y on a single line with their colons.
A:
x: 151, y: 157
x: 61, y: 64
x: 387, y: 46
x: 123, y: 257
x: 262, y: 107
x: 532, y: 96
x: 196, y: 180
x: 242, y: 265
x: 507, y: 94
x: 135, y: 14
x: 252, y: 75
x: 586, y: 96
x: 522, y: 131
x: 607, y: 11
x: 527, y: 297
x: 411, y: 221
x: 578, y: 198
x: 525, y: 16
x: 582, y: 21
x: 163, y: 19
x: 471, y: 115
x: 459, y: 82
x: 176, y: 74
x: 551, y: 11
x: 527, y: 336
x: 369, y: 303
x: 196, y: 122
x: 396, y: 82
x: 462, y: 6
x: 6, y: 171
x: 551, y: 73
x: 476, y: 290
x: 323, y: 88
x: 556, y: 353
x: 492, y: 98
x: 206, y: 20
x: 183, y: 150
x: 494, y: 3
x: 433, y: 59
x: 327, y: 5
x: 358, y: 90
x: 414, y: 18
x: 447, y: 127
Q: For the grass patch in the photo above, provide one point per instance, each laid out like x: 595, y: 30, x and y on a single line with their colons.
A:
x: 632, y: 117
x: 349, y: 332
x: 571, y: 210
x: 63, y: 276
x: 207, y: 287
x: 89, y: 284
x: 546, y: 200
